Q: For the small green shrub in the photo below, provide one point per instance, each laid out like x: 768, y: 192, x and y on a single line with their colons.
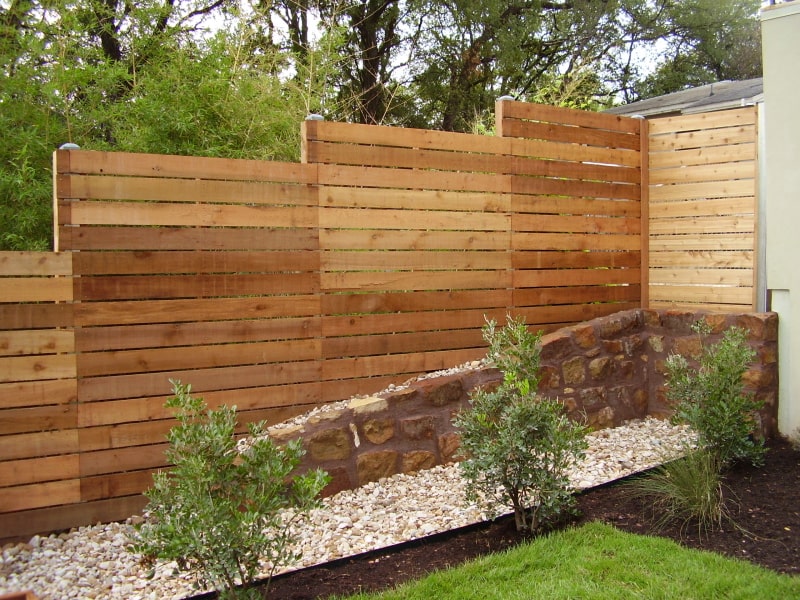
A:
x: 222, y: 513
x: 519, y: 447
x: 685, y: 490
x: 711, y: 398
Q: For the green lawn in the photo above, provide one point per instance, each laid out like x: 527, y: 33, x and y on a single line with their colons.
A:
x: 598, y: 561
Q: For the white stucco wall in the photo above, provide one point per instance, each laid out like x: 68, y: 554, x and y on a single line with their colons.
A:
x: 780, y: 26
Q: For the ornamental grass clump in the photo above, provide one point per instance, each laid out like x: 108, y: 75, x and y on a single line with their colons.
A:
x: 222, y: 513
x: 519, y: 446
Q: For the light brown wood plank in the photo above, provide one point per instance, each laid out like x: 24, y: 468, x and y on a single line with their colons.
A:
x: 151, y: 360
x: 37, y: 367
x: 701, y: 294
x: 159, y: 335
x: 35, y: 289
x: 744, y: 205
x: 416, y: 280
x: 38, y: 470
x: 182, y: 238
x: 38, y: 418
x: 711, y: 155
x: 38, y: 495
x: 703, y: 225
x: 703, y: 173
x: 688, y: 191
x: 540, y: 149
x: 18, y: 394
x: 567, y: 241
x: 557, y: 114
x: 702, y: 121
x: 191, y: 215
x: 339, y: 175
x: 735, y: 259
x: 35, y: 264
x: 576, y: 224
x: 412, y: 302
x: 350, y: 197
x: 38, y: 444
x: 39, y: 341
x: 580, y: 277
x: 187, y: 167
x: 728, y: 277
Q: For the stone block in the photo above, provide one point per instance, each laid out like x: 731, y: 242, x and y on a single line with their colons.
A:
x: 418, y: 428
x: 760, y: 326
x: 613, y: 346
x: 330, y: 444
x: 690, y: 346
x: 556, y: 345
x: 656, y: 343
x: 326, y: 416
x: 438, y: 393
x: 281, y: 435
x: 378, y: 431
x: 599, y: 368
x: 619, y: 323
x: 417, y: 460
x: 373, y: 466
x: 574, y: 371
x: 592, y: 397
x: 584, y: 336
x: 363, y: 406
x: 602, y: 419
x: 449, y: 445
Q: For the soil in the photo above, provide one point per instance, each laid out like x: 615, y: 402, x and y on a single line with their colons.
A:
x: 763, y: 502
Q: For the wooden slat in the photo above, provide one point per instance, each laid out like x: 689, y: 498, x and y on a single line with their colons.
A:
x: 737, y: 259
x: 687, y: 191
x: 701, y: 139
x: 701, y: 294
x: 51, y: 417
x: 404, y: 137
x: 566, y: 187
x: 703, y: 121
x: 171, y: 359
x: 346, y: 218
x: 35, y: 264
x: 715, y: 242
x: 567, y: 241
x: 338, y: 175
x: 38, y: 495
x: 703, y: 225
x: 561, y: 259
x: 183, y: 262
x: 413, y: 302
x: 569, y: 134
x: 568, y: 277
x: 195, y: 191
x: 702, y: 156
x: 576, y: 224
x: 414, y: 260
x: 36, y: 367
x: 557, y: 114
x: 178, y: 311
x: 575, y: 206
x: 744, y: 205
x: 546, y: 150
x: 39, y: 341
x: 38, y: 470
x: 38, y: 393
x: 41, y: 443
x: 701, y: 173
x: 159, y: 335
x: 191, y: 215
x: 35, y: 289
x: 158, y: 287
x: 187, y: 167
x: 349, y: 197
x: 417, y: 280
x: 124, y: 237
x: 385, y: 239
x: 730, y: 277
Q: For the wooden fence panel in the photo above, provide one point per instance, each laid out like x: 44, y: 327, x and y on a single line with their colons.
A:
x: 702, y: 231
x: 577, y: 212
x: 415, y: 233
x: 199, y: 270
x: 39, y: 448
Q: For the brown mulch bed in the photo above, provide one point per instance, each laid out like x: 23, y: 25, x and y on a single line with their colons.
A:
x: 764, y: 503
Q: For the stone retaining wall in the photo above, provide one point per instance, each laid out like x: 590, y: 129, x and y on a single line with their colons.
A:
x: 606, y: 371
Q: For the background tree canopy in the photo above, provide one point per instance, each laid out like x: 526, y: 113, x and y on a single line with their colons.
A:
x: 233, y: 78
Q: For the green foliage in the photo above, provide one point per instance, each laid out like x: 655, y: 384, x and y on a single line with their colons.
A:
x: 712, y: 400
x: 519, y: 447
x: 688, y: 489
x: 222, y: 513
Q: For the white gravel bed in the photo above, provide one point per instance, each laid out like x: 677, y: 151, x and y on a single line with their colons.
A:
x: 92, y: 562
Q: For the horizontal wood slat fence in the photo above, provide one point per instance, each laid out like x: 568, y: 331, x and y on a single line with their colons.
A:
x: 277, y: 287
x: 703, y: 210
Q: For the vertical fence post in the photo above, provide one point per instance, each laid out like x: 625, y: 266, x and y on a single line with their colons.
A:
x: 644, y: 165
